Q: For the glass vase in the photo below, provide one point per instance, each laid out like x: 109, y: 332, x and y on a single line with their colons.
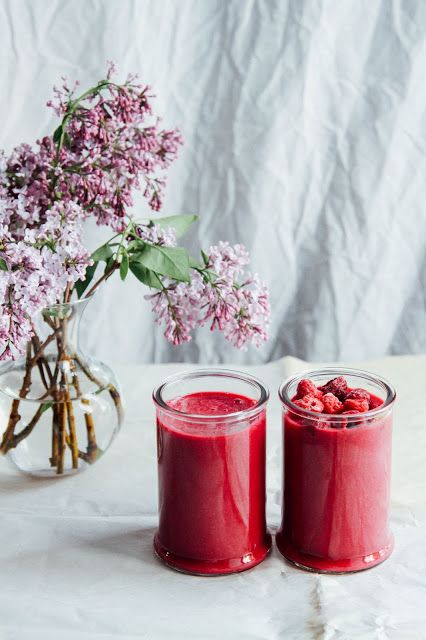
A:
x: 60, y: 409
x: 211, y: 434
x: 337, y: 472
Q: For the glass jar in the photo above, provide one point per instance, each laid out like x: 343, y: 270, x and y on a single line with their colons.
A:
x: 211, y: 439
x: 337, y: 471
x: 60, y: 409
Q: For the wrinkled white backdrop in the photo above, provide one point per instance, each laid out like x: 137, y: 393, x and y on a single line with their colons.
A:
x: 304, y: 124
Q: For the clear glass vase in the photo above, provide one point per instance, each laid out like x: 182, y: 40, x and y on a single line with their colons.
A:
x: 60, y: 410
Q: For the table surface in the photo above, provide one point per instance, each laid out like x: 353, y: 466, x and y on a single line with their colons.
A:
x: 76, y: 553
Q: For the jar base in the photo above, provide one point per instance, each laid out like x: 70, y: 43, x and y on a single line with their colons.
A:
x: 326, y: 565
x: 208, y: 568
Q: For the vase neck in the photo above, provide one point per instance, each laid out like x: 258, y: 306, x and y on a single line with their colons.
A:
x: 61, y: 323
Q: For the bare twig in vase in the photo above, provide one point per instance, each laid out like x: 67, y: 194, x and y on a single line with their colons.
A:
x: 28, y: 429
x: 92, y: 447
x: 14, y: 415
x: 55, y: 435
x: 110, y: 387
x: 72, y: 432
x: 62, y: 409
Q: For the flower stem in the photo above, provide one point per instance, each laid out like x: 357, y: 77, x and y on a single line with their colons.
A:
x: 71, y: 428
x: 62, y: 410
x: 14, y: 415
x: 105, y: 276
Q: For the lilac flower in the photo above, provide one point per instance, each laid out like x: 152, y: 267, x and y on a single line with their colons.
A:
x: 155, y: 234
x: 240, y: 310
x: 109, y: 143
x: 40, y: 262
x: 114, y: 145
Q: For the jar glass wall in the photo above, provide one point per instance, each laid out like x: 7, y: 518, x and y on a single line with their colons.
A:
x: 336, y: 478
x: 211, y: 438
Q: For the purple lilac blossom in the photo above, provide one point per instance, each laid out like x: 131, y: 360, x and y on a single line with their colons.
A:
x: 110, y: 144
x: 240, y: 310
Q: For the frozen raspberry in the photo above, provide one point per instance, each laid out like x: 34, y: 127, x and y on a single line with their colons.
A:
x: 356, y: 405
x: 308, y: 388
x: 311, y: 403
x: 358, y: 394
x: 331, y: 403
x: 338, y: 387
x: 375, y: 402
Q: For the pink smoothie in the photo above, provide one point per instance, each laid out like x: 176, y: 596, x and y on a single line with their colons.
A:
x: 336, y: 493
x: 211, y: 486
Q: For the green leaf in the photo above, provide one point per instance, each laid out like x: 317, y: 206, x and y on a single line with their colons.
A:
x: 104, y: 253
x: 167, y: 261
x: 109, y: 263
x: 3, y: 265
x: 179, y: 223
x: 145, y: 275
x: 57, y: 134
x: 67, y: 140
x: 45, y: 406
x: 195, y: 264
x: 205, y: 257
x: 135, y: 245
x: 124, y: 266
x: 81, y: 285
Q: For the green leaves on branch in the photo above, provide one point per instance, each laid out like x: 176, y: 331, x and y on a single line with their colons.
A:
x: 81, y: 285
x: 147, y: 262
x: 124, y: 265
x: 57, y: 135
x: 103, y: 254
x: 145, y: 275
x: 179, y: 223
x: 172, y: 262
x: 3, y: 265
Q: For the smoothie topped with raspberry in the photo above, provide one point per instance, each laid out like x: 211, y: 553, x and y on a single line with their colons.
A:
x: 334, y: 397
x: 336, y: 470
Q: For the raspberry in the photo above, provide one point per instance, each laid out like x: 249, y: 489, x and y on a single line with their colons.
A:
x: 358, y: 394
x: 375, y: 402
x: 338, y: 387
x: 357, y: 405
x: 311, y: 403
x: 307, y: 387
x: 331, y: 403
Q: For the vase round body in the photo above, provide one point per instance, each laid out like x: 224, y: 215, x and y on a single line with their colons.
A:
x: 211, y: 437
x: 337, y: 472
x: 60, y: 409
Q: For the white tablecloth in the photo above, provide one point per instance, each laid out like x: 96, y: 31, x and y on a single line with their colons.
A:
x: 76, y: 555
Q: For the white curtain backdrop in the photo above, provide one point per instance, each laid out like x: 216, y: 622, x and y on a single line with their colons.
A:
x: 304, y: 126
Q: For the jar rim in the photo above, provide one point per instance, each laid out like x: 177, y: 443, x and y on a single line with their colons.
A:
x: 335, y: 372
x: 157, y: 395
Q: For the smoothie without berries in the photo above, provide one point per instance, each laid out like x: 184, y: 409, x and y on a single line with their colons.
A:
x: 336, y: 489
x: 211, y: 485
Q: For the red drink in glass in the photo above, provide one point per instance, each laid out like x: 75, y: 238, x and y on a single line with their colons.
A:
x: 211, y: 435
x: 337, y: 471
